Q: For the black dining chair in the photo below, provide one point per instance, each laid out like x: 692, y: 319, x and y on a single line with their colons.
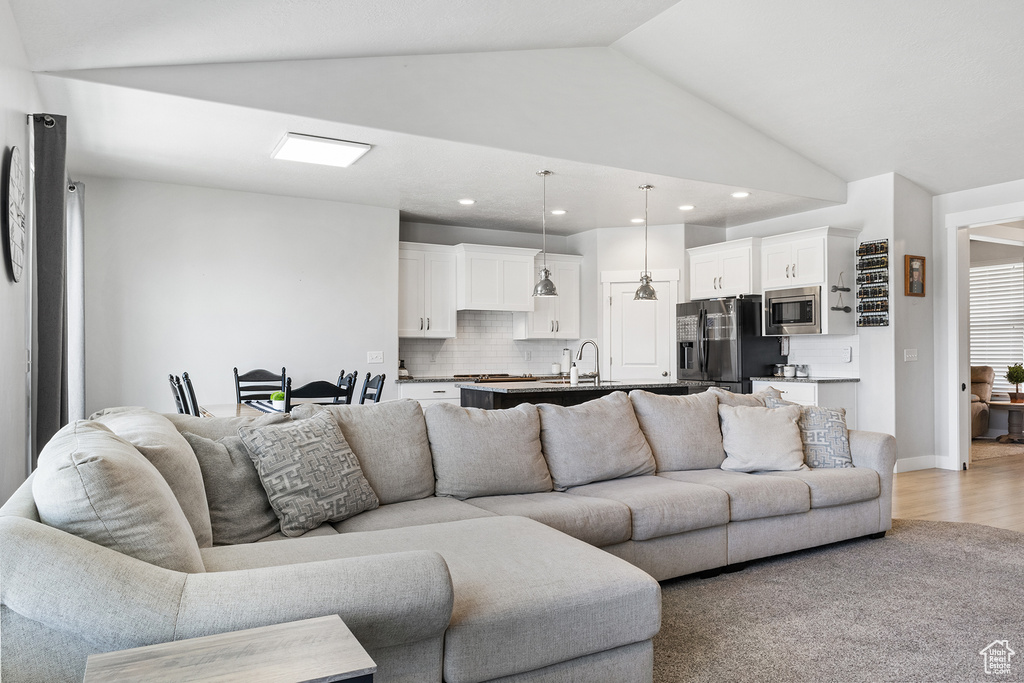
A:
x: 348, y: 383
x: 257, y: 385
x: 192, y: 407
x: 320, y: 392
x: 372, y: 388
x: 177, y: 391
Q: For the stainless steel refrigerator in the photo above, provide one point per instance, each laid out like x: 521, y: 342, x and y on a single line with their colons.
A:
x: 720, y: 341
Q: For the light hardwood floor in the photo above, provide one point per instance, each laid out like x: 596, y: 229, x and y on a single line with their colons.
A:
x: 991, y: 492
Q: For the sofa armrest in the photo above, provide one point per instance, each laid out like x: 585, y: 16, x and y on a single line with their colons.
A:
x: 114, y: 601
x: 878, y: 452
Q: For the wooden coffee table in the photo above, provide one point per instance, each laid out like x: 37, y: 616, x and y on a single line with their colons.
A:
x: 1014, y: 419
x: 321, y: 649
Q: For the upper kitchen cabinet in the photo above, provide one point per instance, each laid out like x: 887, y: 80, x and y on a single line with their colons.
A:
x: 553, y: 317
x: 726, y: 269
x: 426, y: 291
x: 494, y: 278
x: 808, y: 258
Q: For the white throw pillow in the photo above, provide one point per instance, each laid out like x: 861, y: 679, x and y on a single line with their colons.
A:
x: 760, y: 439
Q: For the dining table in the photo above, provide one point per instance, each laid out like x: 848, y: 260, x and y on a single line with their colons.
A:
x: 231, y: 410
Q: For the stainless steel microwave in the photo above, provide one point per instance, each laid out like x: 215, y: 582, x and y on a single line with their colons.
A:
x: 792, y: 311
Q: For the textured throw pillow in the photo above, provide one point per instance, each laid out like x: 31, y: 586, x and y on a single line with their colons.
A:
x: 309, y: 472
x: 390, y: 440
x: 759, y: 439
x: 594, y: 441
x: 683, y: 431
x: 97, y: 486
x: 219, y: 427
x: 823, y: 432
x: 486, y: 452
x: 728, y: 398
x: 240, y: 511
x: 157, y: 439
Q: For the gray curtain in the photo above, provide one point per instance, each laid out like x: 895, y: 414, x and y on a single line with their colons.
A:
x: 50, y: 367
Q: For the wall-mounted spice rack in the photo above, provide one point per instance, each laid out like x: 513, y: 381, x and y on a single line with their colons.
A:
x: 873, y: 284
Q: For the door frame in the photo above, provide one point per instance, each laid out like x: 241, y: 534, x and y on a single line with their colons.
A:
x: 670, y: 276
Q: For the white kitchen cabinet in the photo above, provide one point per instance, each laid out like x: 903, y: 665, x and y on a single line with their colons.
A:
x: 725, y: 269
x: 494, y: 278
x: 792, y: 262
x: 429, y: 393
x: 811, y: 393
x: 553, y: 317
x: 426, y: 291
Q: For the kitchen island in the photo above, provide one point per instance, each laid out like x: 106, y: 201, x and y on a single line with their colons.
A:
x: 499, y: 395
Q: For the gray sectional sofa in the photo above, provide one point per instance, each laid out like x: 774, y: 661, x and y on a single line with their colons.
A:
x: 518, y: 545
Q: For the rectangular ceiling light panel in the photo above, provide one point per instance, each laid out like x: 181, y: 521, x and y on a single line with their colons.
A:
x: 315, y: 150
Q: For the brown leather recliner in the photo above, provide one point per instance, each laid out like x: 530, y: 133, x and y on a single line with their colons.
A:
x: 982, y: 377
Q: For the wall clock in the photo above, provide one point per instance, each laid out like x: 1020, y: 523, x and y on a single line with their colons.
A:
x: 14, y: 185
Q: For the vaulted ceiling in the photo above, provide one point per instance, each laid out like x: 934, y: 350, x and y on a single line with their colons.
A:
x: 787, y: 99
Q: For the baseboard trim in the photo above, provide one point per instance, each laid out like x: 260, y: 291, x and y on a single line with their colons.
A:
x: 921, y: 462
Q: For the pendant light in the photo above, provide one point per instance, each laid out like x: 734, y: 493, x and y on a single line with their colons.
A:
x: 645, y: 292
x: 545, y: 287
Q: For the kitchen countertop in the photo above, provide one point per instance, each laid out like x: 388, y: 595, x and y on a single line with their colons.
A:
x: 584, y: 385
x: 815, y: 380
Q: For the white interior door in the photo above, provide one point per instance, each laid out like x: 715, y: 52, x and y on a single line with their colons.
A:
x: 640, y: 335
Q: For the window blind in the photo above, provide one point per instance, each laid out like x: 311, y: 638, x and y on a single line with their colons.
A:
x: 997, y: 318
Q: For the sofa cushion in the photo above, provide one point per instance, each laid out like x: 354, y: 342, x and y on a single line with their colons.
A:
x: 390, y: 440
x: 593, y: 441
x: 682, y: 431
x: 823, y: 432
x: 97, y: 486
x: 240, y: 511
x: 982, y: 377
x: 661, y: 507
x: 728, y: 398
x: 411, y: 513
x: 597, y: 521
x: 831, y: 487
x: 758, y: 438
x: 751, y: 496
x: 219, y: 427
x: 157, y: 439
x: 486, y: 452
x: 526, y: 596
x: 309, y: 472
x: 324, y: 529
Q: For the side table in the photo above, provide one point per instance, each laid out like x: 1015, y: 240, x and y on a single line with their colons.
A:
x: 321, y: 650
x: 1014, y: 421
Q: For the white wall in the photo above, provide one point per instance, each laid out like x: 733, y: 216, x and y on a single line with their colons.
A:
x: 184, y: 278
x: 431, y: 233
x: 989, y: 252
x: 18, y: 98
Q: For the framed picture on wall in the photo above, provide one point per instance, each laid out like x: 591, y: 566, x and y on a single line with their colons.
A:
x: 913, y: 269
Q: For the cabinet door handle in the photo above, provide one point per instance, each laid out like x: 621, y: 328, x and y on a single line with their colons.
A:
x: 421, y: 323
x: 440, y: 391
x: 558, y: 325
x: 787, y: 271
x: 428, y: 323
x: 551, y: 326
x: 664, y: 374
x: 794, y: 270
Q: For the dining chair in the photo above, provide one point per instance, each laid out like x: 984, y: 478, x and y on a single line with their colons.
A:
x: 372, y: 388
x: 348, y: 383
x: 320, y: 392
x: 257, y: 385
x: 178, y: 393
x: 192, y: 407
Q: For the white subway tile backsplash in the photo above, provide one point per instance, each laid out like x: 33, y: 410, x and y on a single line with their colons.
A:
x: 824, y: 355
x: 484, y: 344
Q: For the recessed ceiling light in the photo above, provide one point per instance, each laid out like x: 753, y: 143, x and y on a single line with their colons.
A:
x: 687, y: 207
x: 636, y: 220
x: 467, y: 202
x: 557, y: 212
x: 311, y: 149
x: 740, y: 195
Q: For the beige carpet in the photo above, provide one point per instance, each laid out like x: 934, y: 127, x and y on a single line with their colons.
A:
x: 985, y: 449
x: 918, y: 605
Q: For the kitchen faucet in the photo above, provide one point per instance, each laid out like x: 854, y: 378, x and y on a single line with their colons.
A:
x: 597, y: 360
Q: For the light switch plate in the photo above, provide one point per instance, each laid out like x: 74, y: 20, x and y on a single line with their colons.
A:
x: 909, y: 355
x: 847, y: 354
x: 374, y: 356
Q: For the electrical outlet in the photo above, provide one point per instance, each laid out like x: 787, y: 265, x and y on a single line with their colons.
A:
x: 529, y: 355
x: 909, y: 355
x: 847, y: 354
x: 374, y: 356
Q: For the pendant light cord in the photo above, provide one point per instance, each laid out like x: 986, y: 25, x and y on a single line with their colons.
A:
x: 544, y: 217
x: 646, y: 195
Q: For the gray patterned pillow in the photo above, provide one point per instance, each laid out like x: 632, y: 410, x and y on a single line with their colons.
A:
x: 309, y: 472
x: 824, y: 435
